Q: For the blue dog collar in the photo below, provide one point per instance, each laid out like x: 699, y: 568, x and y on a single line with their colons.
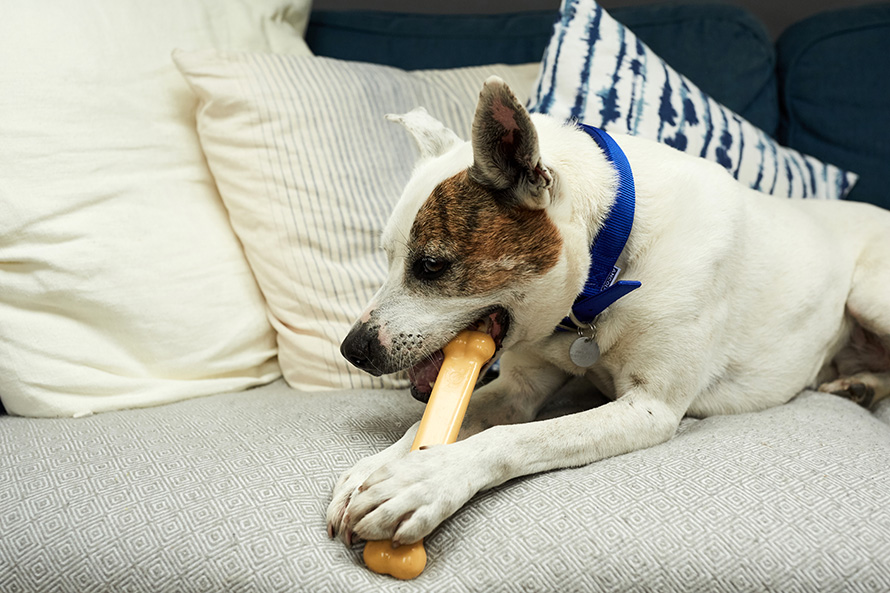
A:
x: 601, y: 289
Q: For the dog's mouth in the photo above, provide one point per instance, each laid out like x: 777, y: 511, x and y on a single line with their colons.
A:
x: 495, y: 322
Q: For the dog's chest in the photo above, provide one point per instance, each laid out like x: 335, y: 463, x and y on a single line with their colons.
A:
x: 556, y: 350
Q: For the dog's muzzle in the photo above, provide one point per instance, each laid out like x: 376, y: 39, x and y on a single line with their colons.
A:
x: 362, y: 349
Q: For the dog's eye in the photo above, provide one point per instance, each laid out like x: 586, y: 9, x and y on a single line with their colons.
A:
x: 430, y: 268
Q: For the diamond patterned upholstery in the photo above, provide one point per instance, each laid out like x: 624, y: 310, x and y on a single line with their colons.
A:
x: 227, y: 493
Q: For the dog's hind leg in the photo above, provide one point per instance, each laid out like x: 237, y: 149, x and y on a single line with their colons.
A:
x: 864, y: 365
x: 863, y: 368
x: 864, y: 389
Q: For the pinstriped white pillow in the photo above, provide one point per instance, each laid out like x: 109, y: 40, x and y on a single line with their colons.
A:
x: 596, y: 70
x: 309, y: 170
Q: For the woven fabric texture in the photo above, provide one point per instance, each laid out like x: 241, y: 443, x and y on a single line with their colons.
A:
x: 227, y: 493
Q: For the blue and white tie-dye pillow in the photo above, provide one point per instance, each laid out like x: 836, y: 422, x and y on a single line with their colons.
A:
x: 596, y: 71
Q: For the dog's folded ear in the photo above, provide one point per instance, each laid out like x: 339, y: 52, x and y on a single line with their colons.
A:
x: 506, y: 156
x: 431, y: 136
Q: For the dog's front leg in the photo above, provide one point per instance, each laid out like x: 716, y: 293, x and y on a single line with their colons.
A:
x: 515, y: 396
x: 407, y: 498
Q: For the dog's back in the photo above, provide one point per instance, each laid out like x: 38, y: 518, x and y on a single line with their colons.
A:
x: 767, y: 284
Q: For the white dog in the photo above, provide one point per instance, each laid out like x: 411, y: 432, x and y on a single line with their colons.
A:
x: 746, y: 299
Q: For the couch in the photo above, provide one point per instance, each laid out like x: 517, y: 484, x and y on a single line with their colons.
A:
x: 227, y: 492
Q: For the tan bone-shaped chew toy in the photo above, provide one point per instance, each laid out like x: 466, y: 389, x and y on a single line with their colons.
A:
x: 464, y: 357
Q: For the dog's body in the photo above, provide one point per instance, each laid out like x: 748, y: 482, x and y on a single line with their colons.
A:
x: 746, y: 299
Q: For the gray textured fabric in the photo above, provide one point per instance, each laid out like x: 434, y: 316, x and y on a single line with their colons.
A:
x: 227, y: 493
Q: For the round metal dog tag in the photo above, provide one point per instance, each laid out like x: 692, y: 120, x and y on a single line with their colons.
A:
x: 584, y: 352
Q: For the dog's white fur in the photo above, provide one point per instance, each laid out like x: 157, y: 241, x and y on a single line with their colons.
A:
x: 746, y: 300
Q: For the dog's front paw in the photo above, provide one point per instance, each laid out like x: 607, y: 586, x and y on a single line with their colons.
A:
x: 346, y: 488
x: 406, y: 499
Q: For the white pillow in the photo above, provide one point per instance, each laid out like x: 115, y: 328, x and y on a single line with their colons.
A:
x: 121, y: 281
x: 310, y: 170
x: 595, y: 70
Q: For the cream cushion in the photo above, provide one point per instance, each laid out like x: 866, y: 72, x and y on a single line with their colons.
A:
x: 309, y: 170
x: 121, y: 281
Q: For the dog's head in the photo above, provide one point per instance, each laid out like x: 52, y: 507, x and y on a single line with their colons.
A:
x: 470, y: 244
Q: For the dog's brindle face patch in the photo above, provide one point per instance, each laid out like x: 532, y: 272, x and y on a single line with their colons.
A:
x: 487, y: 242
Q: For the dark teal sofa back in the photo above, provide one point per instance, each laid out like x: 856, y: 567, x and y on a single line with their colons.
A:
x: 823, y: 89
x: 722, y: 49
x: 835, y: 94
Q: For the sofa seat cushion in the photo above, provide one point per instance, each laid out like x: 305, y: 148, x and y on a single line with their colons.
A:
x: 833, y: 69
x: 228, y: 493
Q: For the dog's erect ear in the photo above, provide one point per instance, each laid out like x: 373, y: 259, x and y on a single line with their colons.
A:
x: 430, y: 135
x: 505, y: 147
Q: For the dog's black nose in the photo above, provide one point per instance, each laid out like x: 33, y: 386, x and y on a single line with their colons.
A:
x: 358, y: 348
